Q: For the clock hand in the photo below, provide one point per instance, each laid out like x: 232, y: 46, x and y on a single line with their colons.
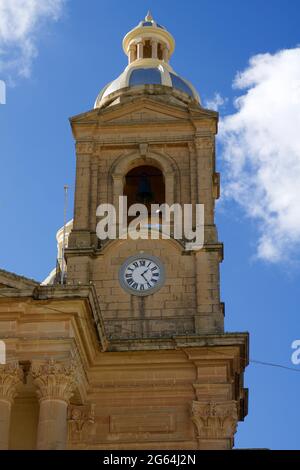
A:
x: 144, y: 277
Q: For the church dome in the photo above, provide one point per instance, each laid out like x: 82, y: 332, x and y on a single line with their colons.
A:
x: 149, y: 47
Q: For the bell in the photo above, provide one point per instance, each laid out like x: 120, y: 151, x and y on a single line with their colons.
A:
x: 144, y: 193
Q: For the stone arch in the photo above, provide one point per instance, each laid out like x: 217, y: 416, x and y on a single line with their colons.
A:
x: 165, y: 163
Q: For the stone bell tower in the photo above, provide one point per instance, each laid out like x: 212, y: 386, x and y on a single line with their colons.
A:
x: 169, y: 376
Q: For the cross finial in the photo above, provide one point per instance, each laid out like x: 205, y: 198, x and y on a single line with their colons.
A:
x: 148, y: 17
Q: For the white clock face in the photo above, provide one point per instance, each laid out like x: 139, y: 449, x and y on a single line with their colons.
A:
x: 142, y: 274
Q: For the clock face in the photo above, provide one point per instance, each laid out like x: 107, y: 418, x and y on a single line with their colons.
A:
x: 142, y: 274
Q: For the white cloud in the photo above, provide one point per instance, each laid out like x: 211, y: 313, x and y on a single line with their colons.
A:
x: 261, y: 148
x: 216, y: 102
x: 20, y: 21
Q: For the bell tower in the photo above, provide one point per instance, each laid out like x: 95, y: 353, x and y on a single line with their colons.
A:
x: 149, y: 138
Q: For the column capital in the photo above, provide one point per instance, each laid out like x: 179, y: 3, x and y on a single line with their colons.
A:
x: 204, y: 142
x: 87, y: 147
x: 11, y: 375
x: 215, y: 420
x: 54, y: 379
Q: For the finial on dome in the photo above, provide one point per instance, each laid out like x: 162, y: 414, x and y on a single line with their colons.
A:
x: 149, y: 17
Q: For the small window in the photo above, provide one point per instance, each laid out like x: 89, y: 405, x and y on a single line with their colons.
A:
x: 159, y: 51
x: 149, y: 76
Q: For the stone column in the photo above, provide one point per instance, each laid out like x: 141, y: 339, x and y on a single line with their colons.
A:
x: 154, y: 45
x: 215, y: 424
x: 11, y: 375
x: 165, y: 54
x: 55, y: 382
x: 132, y: 53
x: 140, y: 50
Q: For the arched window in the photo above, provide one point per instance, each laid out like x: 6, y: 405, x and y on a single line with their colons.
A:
x: 159, y: 51
x: 147, y: 50
x: 145, y: 184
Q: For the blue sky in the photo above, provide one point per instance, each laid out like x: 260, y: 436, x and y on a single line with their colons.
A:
x: 63, y: 59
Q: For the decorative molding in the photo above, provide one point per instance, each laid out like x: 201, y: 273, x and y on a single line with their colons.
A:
x: 11, y: 375
x: 215, y: 420
x: 55, y: 380
x: 81, y: 422
x: 204, y: 143
x: 84, y: 147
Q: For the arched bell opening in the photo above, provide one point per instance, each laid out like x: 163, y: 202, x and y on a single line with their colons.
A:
x: 145, y: 184
x: 160, y: 51
x: 147, y: 50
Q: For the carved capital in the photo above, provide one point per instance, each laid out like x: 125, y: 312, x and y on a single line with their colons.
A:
x: 215, y: 420
x: 54, y: 380
x: 204, y: 143
x: 81, y: 420
x: 11, y: 375
x: 84, y: 147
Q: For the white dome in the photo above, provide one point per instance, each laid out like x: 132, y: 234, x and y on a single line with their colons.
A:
x: 148, y: 72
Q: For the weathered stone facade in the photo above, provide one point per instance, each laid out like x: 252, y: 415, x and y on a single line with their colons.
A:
x: 94, y: 367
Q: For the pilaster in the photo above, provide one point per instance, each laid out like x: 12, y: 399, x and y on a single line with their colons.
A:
x: 215, y: 423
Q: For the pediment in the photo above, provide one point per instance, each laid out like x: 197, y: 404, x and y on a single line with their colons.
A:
x: 144, y: 110
x: 14, y: 281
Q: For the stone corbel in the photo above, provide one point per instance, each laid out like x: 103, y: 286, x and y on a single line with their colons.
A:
x: 215, y: 420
